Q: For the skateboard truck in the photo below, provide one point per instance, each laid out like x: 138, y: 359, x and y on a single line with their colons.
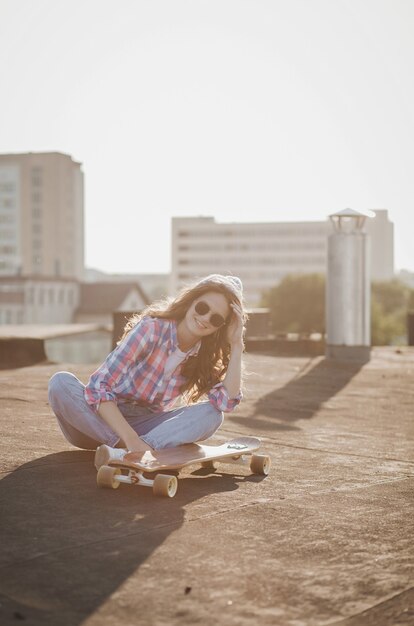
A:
x: 112, y: 477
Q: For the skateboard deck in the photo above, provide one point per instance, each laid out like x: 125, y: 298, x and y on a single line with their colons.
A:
x: 181, y: 456
x: 235, y: 451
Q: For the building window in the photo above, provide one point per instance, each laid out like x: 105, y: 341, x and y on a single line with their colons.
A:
x: 7, y: 187
x: 6, y: 203
x: 7, y: 234
x: 7, y: 250
x: 36, y: 180
x: 30, y: 295
x: 6, y: 219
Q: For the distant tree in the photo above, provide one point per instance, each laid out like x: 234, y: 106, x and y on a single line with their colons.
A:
x: 297, y: 304
x: 390, y: 302
x: 392, y: 295
x: 386, y: 328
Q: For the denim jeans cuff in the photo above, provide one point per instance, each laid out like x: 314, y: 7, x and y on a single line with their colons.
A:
x: 112, y: 441
x: 150, y: 441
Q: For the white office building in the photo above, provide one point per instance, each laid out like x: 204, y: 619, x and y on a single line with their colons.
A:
x: 38, y: 300
x: 41, y: 215
x: 263, y: 253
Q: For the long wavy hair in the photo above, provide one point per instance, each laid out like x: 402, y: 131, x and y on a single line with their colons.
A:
x: 209, y: 366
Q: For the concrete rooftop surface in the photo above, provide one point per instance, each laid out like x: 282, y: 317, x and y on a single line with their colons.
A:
x: 326, y: 538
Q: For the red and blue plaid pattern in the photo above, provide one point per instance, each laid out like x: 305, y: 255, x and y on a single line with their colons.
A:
x: 134, y: 371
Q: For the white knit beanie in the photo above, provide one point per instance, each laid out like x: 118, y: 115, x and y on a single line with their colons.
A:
x: 232, y: 283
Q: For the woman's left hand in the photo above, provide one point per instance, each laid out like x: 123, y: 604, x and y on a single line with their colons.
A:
x: 235, y: 328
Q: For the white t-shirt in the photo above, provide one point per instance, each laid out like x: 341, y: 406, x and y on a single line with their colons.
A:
x: 173, y: 361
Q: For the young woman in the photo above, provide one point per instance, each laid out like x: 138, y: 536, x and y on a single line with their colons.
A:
x: 175, y: 352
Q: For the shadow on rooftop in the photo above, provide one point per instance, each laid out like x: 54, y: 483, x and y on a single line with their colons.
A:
x: 68, y: 546
x: 301, y: 397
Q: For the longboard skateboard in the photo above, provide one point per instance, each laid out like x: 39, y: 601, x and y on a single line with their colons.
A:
x: 129, y: 470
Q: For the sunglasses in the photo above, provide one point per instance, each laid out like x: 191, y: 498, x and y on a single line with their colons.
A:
x: 202, y: 308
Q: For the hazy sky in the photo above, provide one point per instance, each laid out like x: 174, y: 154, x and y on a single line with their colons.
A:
x: 240, y: 109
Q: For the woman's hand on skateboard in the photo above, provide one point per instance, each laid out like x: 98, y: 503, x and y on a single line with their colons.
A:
x: 140, y: 449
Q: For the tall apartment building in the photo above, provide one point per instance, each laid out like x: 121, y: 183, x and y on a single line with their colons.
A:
x: 41, y: 216
x: 263, y: 253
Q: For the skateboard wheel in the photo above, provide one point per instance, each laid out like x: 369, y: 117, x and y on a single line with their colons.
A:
x: 106, y: 477
x: 209, y: 465
x: 260, y: 464
x: 165, y: 486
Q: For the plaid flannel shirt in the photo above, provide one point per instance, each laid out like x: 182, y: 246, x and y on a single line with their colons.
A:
x: 134, y: 371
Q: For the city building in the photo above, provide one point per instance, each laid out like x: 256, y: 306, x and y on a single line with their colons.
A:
x: 381, y: 232
x: 98, y: 301
x: 43, y: 300
x: 41, y: 216
x: 263, y: 253
x: 38, y: 300
x: 155, y: 286
x: 406, y: 277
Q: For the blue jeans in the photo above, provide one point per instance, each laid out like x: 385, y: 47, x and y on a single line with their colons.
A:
x: 84, y: 428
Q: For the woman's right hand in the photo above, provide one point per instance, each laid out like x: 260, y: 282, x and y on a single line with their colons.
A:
x: 142, y: 451
x: 128, y: 437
